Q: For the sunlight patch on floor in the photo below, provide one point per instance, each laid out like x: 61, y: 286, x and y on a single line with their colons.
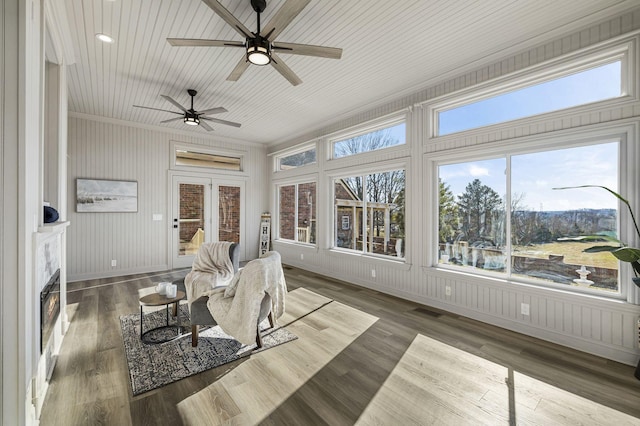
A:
x: 435, y: 383
x: 250, y: 391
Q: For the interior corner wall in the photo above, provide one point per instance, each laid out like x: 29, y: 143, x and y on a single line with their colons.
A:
x: 603, y: 327
x: 102, y: 149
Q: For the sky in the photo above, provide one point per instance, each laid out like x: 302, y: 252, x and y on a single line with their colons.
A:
x: 534, y: 175
x: 603, y: 82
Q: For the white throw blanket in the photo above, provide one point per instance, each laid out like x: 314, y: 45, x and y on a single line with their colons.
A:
x: 237, y: 310
x: 211, y: 268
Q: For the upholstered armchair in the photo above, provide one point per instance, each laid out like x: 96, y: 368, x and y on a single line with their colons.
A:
x: 254, y: 286
x: 198, y: 311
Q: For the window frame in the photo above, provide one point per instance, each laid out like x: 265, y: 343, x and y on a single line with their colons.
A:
x: 578, y: 61
x: 366, y: 128
x: 378, y: 167
x: 202, y: 149
x: 278, y: 156
x: 624, y: 134
x: 295, y: 183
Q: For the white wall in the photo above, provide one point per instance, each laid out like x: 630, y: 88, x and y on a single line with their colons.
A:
x: 22, y: 68
x: 109, y: 149
x: 596, y: 325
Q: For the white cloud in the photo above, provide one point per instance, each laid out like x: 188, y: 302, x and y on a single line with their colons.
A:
x: 475, y: 170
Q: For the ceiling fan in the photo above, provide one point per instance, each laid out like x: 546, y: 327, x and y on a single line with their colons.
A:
x: 260, y: 46
x: 191, y: 116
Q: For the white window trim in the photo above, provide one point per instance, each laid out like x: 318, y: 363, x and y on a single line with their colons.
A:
x: 361, y: 170
x: 293, y: 182
x: 627, y: 134
x: 625, y: 49
x: 279, y: 155
x: 365, y: 128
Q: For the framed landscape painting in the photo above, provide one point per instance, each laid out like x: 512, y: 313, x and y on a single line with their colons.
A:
x: 94, y: 195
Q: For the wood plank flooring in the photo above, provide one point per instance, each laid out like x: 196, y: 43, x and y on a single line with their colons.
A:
x: 366, y: 358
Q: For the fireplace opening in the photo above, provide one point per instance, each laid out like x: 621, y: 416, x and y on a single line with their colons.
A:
x: 49, y: 308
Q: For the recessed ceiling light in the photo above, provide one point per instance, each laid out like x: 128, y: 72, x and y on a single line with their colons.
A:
x: 104, y: 38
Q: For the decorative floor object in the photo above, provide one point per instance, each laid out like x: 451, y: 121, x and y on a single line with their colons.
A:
x: 155, y: 365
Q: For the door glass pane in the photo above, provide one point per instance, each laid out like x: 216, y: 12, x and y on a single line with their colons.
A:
x: 229, y: 214
x: 191, y: 220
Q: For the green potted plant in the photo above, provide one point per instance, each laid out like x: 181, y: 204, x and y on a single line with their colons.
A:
x: 622, y: 252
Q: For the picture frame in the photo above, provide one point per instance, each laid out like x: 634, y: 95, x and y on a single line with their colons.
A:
x: 106, y: 196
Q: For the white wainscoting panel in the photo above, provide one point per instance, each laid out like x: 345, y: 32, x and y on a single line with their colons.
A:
x: 107, y: 150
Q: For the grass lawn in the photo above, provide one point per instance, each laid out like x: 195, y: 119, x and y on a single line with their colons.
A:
x: 572, y: 251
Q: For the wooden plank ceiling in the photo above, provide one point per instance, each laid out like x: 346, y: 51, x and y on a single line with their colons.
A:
x: 389, y: 48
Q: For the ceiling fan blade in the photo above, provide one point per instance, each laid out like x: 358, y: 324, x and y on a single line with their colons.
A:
x: 222, y: 12
x: 172, y: 119
x: 238, y: 70
x: 283, y: 17
x: 176, y: 104
x: 283, y: 69
x: 217, y: 110
x: 308, y: 50
x: 157, y: 109
x: 205, y: 126
x: 217, y: 120
x: 197, y: 42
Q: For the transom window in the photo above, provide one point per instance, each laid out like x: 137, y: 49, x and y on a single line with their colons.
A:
x: 196, y: 158
x: 384, y: 137
x: 578, y: 88
x: 298, y: 159
x: 502, y: 215
x: 297, y: 212
x: 369, y: 213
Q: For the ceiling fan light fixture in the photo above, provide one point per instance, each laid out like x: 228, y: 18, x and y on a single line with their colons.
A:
x: 258, y: 51
x: 191, y: 120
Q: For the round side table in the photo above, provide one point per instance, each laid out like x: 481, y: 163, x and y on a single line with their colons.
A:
x: 155, y: 299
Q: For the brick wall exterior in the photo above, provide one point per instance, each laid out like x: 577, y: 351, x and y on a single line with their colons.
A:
x: 229, y: 214
x: 306, y: 210
x: 191, y: 207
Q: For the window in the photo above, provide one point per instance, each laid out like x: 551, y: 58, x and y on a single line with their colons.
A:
x: 369, y: 213
x: 525, y: 233
x: 297, y: 212
x: 385, y: 137
x: 193, y: 158
x: 579, y: 88
x: 292, y: 161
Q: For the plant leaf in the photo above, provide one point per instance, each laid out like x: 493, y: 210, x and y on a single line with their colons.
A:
x: 627, y: 254
x: 599, y: 249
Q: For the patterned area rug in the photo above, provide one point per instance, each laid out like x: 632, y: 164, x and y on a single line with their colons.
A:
x: 155, y: 365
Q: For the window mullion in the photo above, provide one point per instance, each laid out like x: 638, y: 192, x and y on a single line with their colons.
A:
x: 295, y: 215
x: 508, y: 248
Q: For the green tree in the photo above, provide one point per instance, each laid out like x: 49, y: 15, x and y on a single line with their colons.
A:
x: 479, y: 205
x: 447, y: 213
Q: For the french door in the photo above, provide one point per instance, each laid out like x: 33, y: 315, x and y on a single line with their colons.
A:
x: 204, y: 210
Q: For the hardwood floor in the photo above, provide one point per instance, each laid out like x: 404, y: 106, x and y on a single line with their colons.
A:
x: 365, y: 358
